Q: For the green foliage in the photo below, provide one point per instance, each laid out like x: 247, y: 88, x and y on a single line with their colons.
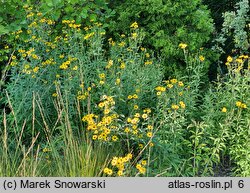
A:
x: 166, y: 24
x: 235, y: 31
x: 86, y: 100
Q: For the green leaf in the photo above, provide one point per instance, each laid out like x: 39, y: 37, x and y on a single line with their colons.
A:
x: 49, y: 2
x: 3, y: 30
x: 84, y: 13
x: 93, y: 17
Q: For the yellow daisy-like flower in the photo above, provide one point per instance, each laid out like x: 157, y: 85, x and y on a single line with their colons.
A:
x: 141, y: 146
x: 224, y: 110
x: 182, y: 45
x: 144, y: 162
x: 158, y: 93
x: 136, y: 107
x: 144, y: 116
x: 120, y: 173
x: 149, y: 134
x: 238, y: 104
x: 126, y: 130
x: 102, y: 76
x: 202, y: 58
x: 114, y: 138
x: 180, y: 83
x: 229, y: 59
x: 101, y: 104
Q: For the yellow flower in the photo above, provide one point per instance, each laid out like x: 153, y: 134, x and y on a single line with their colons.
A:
x: 106, y: 170
x: 102, y: 76
x: 118, y: 81
x: 129, y: 155
x: 149, y: 134
x: 120, y: 173
x: 144, y: 162
x: 170, y: 86
x: 202, y: 58
x: 243, y: 106
x: 126, y: 130
x: 224, y: 110
x: 229, y: 59
x: 150, y: 127
x: 134, y: 25
x: 75, y: 68
x: 138, y: 166
x: 101, y: 82
x: 158, y: 93
x: 180, y: 83
x: 114, y: 138
x: 106, y: 111
x: 148, y: 62
x: 134, y: 35
x: 87, y: 36
x: 94, y: 137
x: 182, y: 104
x: 136, y: 107
x: 175, y: 107
x: 123, y: 65
x: 61, y: 56
x: 238, y: 104
x: 35, y: 70
x: 160, y: 88
x: 151, y: 144
x: 137, y: 115
x: 110, y: 63
x: 182, y: 45
x: 101, y: 105
x: 54, y: 94
x: 173, y: 81
x: 144, y: 116
x: 141, y: 146
x: 135, y: 96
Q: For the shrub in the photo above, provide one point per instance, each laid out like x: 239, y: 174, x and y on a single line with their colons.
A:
x: 166, y: 24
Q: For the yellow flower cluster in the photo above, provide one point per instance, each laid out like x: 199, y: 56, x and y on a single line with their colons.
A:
x: 170, y: 84
x: 160, y: 89
x: 240, y: 60
x: 82, y: 95
x: 134, y: 25
x: 66, y: 64
x: 71, y: 24
x: 241, y: 105
x: 141, y: 169
x: 110, y: 64
x: 89, y: 35
x: 134, y: 121
x: 103, y: 127
x: 134, y: 96
x: 120, y: 163
x: 49, y: 61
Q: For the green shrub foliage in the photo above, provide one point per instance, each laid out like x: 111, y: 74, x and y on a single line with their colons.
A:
x: 166, y: 23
